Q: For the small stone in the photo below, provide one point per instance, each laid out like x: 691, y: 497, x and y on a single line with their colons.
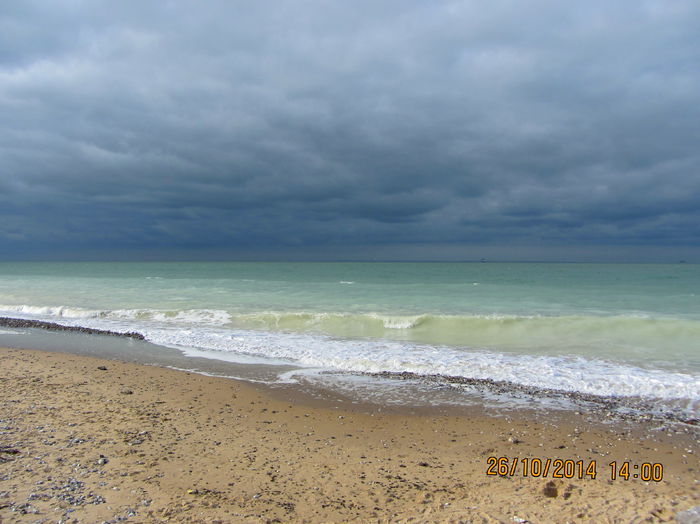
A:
x: 102, y: 368
x: 550, y: 489
x: 689, y: 516
x: 126, y: 392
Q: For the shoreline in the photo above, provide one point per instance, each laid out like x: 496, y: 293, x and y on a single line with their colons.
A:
x: 633, y: 409
x: 154, y: 444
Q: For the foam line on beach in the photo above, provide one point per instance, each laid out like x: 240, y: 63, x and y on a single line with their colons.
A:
x: 662, y: 391
x: 635, y: 408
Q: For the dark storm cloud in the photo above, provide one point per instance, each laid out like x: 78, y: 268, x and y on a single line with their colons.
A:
x: 321, y: 123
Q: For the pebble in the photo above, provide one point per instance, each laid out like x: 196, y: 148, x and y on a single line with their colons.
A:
x: 689, y: 516
x: 550, y: 489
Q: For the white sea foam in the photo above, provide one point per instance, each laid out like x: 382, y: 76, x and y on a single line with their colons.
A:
x: 565, y: 373
x: 204, y: 333
x: 399, y: 322
x: 212, y: 317
x: 7, y: 332
x: 234, y: 377
x: 192, y: 316
x: 52, y: 311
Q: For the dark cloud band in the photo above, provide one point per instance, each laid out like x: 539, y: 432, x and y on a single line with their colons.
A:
x: 316, y: 124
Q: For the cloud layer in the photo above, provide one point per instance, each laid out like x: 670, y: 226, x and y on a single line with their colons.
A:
x: 246, y: 126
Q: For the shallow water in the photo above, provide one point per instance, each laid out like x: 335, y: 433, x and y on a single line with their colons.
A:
x: 611, y: 329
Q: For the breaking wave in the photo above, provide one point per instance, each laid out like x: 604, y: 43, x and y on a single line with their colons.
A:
x: 587, y: 354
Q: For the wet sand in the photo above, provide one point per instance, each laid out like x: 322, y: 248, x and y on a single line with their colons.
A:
x: 90, y: 440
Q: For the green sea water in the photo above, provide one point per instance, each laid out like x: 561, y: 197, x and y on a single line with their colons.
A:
x: 576, y: 326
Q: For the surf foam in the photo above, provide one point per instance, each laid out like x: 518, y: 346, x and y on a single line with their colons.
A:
x: 200, y: 333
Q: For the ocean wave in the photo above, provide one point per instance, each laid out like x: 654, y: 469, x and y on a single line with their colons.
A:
x: 53, y: 311
x: 567, y: 373
x: 181, y: 316
x: 484, y: 350
x: 636, y: 336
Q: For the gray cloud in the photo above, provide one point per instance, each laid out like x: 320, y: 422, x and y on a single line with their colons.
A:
x: 326, y: 124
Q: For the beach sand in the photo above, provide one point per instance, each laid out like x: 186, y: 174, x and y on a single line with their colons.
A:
x: 89, y: 440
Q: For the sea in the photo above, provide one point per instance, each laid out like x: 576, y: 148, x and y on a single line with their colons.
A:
x: 615, y: 331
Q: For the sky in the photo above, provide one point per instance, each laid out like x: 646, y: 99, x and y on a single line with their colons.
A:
x: 328, y: 129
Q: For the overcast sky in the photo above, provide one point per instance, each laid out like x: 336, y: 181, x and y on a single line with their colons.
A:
x: 337, y: 129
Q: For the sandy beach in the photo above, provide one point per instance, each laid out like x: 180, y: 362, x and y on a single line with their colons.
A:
x: 89, y: 440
